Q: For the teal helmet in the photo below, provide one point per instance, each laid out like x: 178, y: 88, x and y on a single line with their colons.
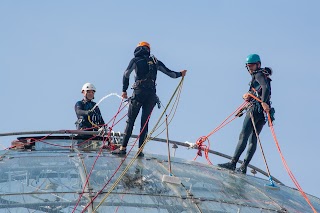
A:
x: 253, y: 58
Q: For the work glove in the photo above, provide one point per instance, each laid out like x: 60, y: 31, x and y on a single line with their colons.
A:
x: 246, y: 97
x: 183, y: 73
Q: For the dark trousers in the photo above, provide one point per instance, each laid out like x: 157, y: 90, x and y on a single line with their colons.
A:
x: 248, y: 132
x: 146, y: 101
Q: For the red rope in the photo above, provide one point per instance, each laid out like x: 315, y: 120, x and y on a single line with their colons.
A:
x: 116, y: 210
x: 284, y: 162
x: 287, y: 167
x: 112, y: 119
x: 100, y: 151
x: 57, y: 145
x: 86, y: 141
x: 28, y: 143
x: 121, y: 119
x: 104, y: 141
x: 202, y: 147
x: 119, y: 110
x: 202, y: 139
x: 117, y: 169
x: 223, y: 123
x: 52, y: 144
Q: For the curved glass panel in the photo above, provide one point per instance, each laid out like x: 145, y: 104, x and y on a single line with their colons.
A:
x: 49, y: 178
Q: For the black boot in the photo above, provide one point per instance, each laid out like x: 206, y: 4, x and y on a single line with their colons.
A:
x: 230, y: 165
x: 243, y: 168
x: 141, y: 154
x: 119, y: 152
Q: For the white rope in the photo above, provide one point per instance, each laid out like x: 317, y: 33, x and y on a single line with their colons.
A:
x: 105, y: 97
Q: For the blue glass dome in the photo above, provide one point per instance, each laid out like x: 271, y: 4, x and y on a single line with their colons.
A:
x: 48, y: 174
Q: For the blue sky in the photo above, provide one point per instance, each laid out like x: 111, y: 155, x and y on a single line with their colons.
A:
x: 49, y: 49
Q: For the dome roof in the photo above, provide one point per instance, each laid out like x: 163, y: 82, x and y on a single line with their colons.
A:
x: 50, y: 174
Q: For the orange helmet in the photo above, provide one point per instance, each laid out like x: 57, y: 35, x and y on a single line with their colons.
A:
x: 144, y: 43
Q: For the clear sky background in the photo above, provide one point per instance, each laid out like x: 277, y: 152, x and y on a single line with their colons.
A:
x: 49, y: 49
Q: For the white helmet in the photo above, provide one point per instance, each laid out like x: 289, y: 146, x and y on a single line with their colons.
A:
x: 88, y: 86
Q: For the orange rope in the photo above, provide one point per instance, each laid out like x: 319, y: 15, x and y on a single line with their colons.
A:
x: 223, y: 123
x: 294, y: 180
x: 202, y: 147
x: 202, y: 139
x: 287, y: 167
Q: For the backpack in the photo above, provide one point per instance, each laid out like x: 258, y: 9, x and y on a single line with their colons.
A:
x: 267, y: 71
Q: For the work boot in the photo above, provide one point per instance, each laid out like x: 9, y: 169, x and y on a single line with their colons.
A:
x: 119, y: 151
x: 242, y: 169
x: 230, y: 165
x: 141, y: 154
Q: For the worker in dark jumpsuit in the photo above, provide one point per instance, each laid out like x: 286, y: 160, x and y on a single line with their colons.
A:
x: 144, y: 95
x: 83, y: 110
x: 259, y: 86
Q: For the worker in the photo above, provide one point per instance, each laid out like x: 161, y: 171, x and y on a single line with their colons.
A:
x: 144, y: 96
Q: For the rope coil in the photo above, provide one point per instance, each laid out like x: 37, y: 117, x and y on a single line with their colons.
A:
x: 201, y: 147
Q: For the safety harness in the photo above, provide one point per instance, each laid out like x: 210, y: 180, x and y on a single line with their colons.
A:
x: 256, y: 89
x: 88, y: 121
x: 149, y: 82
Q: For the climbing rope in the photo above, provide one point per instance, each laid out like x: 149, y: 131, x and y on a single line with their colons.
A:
x: 136, y: 155
x: 99, y: 153
x: 104, y: 141
x: 107, y: 96
x: 176, y: 105
x: 200, y: 142
x: 173, y: 109
x: 9, y: 149
x: 117, y: 169
x: 284, y: 162
x: 202, y: 147
x: 32, y: 140
x: 97, y: 104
